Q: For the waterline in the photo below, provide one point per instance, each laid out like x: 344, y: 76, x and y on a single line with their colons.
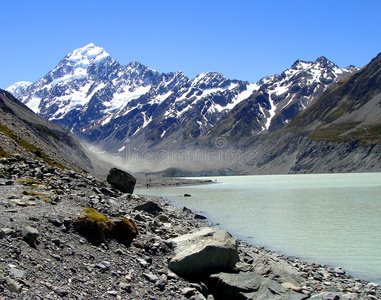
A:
x: 332, y: 219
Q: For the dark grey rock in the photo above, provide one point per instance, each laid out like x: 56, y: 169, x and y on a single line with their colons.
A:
x: 249, y: 286
x: 7, y: 232
x: 151, y: 277
x: 149, y: 207
x: 102, y: 267
x: 125, y: 286
x: 142, y: 262
x: 30, y: 234
x: 13, y: 286
x: 199, y: 217
x: 121, y: 180
x: 161, y: 283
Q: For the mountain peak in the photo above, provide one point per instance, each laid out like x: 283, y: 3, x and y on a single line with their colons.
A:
x: 88, y: 53
x: 322, y: 59
x: 136, y: 65
x: 324, y: 62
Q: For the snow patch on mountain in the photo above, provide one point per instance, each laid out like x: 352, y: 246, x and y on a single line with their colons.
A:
x: 18, y: 88
x: 108, y: 104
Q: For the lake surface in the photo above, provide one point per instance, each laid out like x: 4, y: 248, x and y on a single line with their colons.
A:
x: 332, y: 219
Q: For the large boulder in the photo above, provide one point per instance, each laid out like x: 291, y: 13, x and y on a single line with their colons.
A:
x: 249, y: 285
x: 121, y: 180
x: 203, y: 250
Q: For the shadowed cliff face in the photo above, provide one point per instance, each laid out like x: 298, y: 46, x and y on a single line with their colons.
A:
x: 23, y: 132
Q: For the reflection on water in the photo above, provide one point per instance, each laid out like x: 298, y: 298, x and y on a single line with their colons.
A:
x: 333, y: 219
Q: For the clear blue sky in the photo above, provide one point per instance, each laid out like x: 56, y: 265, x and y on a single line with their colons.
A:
x: 241, y: 39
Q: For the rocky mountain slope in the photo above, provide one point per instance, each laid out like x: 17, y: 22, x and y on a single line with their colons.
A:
x: 340, y: 132
x: 23, y: 132
x: 115, y: 106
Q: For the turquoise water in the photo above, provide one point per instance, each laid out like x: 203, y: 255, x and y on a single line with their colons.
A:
x: 332, y: 219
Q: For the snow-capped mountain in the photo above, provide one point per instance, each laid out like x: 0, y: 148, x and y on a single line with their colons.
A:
x: 112, y: 105
x: 280, y: 97
x: 18, y: 88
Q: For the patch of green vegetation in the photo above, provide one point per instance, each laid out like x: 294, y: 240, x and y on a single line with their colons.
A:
x: 48, y: 132
x: 367, y: 135
x: 33, y: 183
x: 96, y: 216
x: 338, y: 133
x: 332, y: 133
x: 28, y: 181
x: 30, y: 147
x: 46, y: 198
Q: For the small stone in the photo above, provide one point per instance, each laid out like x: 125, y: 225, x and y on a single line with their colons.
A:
x: 13, y: 286
x: 339, y: 271
x: 112, y: 293
x: 290, y: 286
x: 17, y: 273
x: 56, y: 242
x: 162, y: 218
x: 125, y: 286
x: 142, y: 262
x: 102, y: 267
x: 188, y: 292
x: 151, y: 277
x: 20, y: 203
x: 56, y: 222
x: 62, y: 292
x: 172, y: 275
x: 199, y: 217
x: 7, y: 232
x: 161, y: 282
x: 120, y: 252
x: 30, y: 234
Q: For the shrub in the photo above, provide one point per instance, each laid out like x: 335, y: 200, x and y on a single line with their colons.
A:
x: 98, y: 228
x: 125, y: 229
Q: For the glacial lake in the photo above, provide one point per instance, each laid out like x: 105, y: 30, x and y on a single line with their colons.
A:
x: 331, y: 219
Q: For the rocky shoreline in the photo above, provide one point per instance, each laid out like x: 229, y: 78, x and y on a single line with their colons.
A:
x: 43, y: 256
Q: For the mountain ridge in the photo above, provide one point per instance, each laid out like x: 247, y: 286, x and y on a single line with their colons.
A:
x: 111, y: 105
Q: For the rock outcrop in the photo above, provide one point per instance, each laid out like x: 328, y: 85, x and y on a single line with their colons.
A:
x: 249, y: 285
